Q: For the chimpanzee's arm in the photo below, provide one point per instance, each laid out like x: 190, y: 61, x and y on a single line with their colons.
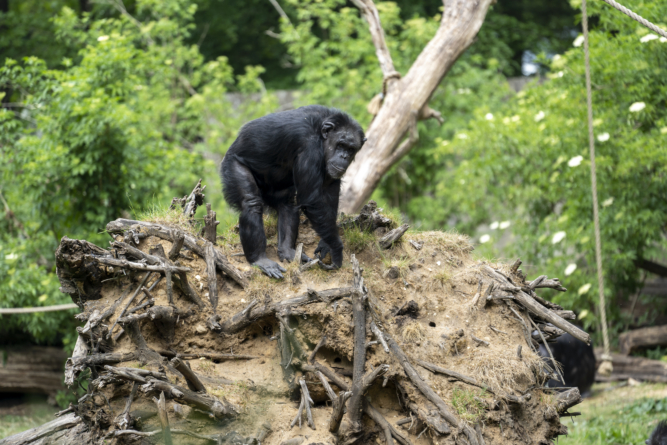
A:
x: 319, y: 201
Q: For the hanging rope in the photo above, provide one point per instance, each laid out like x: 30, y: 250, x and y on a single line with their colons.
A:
x: 606, y: 367
x: 32, y: 310
x: 633, y: 16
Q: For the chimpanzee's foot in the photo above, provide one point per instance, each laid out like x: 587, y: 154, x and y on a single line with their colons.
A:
x: 270, y: 267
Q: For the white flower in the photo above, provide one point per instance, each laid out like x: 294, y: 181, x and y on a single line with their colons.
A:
x: 494, y: 225
x: 560, y: 74
x: 504, y: 224
x: 488, y: 117
x: 637, y: 106
x: 603, y: 137
x: 462, y: 136
x: 575, y: 161
x: 585, y: 288
x: 484, y: 239
x: 578, y: 41
x: 539, y: 116
x: 515, y: 118
x: 569, y: 270
x: 558, y: 237
x: 11, y: 256
x: 464, y: 91
x: 556, y: 57
x: 463, y: 181
x: 663, y: 40
x: 583, y: 314
x: 607, y: 202
x: 648, y: 38
x: 102, y: 38
x: 445, y: 143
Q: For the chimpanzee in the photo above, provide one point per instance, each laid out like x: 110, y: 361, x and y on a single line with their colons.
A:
x: 578, y: 362
x: 659, y: 434
x: 290, y: 161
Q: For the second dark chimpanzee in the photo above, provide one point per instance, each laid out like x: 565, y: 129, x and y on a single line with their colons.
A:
x: 290, y: 161
x: 577, y: 359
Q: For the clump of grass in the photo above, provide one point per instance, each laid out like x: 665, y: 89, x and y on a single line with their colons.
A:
x: 205, y: 366
x: 170, y: 217
x: 442, y: 277
x: 402, y: 263
x: 413, y: 331
x: 468, y: 404
x: 357, y: 240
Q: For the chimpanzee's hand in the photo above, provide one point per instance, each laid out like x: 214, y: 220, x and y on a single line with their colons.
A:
x: 322, y: 250
x: 270, y: 267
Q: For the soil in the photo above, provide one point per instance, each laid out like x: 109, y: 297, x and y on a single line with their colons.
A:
x: 427, y: 304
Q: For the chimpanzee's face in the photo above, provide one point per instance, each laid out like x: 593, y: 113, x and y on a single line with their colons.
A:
x: 340, y: 147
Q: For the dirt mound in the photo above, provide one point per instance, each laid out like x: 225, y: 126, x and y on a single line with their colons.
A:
x: 417, y: 342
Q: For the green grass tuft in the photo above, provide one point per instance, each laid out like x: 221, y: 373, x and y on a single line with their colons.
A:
x: 468, y: 404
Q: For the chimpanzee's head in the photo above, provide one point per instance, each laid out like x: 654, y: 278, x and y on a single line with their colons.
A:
x: 343, y: 138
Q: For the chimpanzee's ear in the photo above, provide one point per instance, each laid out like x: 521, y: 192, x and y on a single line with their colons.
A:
x: 326, y: 128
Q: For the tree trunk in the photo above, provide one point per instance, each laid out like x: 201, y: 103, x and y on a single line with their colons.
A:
x: 406, y: 99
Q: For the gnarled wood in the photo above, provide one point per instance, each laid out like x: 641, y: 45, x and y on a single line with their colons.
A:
x: 405, y: 98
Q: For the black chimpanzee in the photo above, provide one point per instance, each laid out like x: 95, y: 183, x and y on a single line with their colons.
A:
x: 578, y: 360
x: 290, y: 161
x: 659, y: 434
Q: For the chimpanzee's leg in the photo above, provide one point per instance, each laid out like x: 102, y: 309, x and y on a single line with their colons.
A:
x: 241, y: 191
x: 284, y: 201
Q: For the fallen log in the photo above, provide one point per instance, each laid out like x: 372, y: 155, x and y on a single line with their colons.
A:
x: 638, y: 368
x: 637, y: 339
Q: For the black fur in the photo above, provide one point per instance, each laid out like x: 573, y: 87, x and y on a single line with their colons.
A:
x: 290, y: 161
x: 659, y: 434
x: 578, y: 362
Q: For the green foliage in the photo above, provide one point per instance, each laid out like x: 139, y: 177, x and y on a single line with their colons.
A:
x: 629, y: 423
x: 526, y: 162
x: 120, y: 128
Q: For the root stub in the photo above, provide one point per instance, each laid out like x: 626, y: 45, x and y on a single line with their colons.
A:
x: 331, y: 355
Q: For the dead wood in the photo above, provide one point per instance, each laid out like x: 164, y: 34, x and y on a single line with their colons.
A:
x: 177, y: 244
x: 359, y: 362
x: 637, y: 339
x: 568, y: 399
x: 190, y: 377
x: 392, y: 236
x: 212, y: 278
x: 121, y: 225
x: 388, y: 430
x: 529, y: 303
x: 181, y: 281
x: 378, y: 334
x: 210, y: 225
x: 338, y: 403
x: 553, y: 360
x: 638, y: 368
x: 164, y: 419
x: 368, y: 220
x: 31, y: 369
x: 428, y: 391
x: 194, y: 200
x: 124, y: 420
x: 469, y: 380
x: 218, y: 357
x: 67, y: 421
x: 406, y: 99
x: 205, y: 402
